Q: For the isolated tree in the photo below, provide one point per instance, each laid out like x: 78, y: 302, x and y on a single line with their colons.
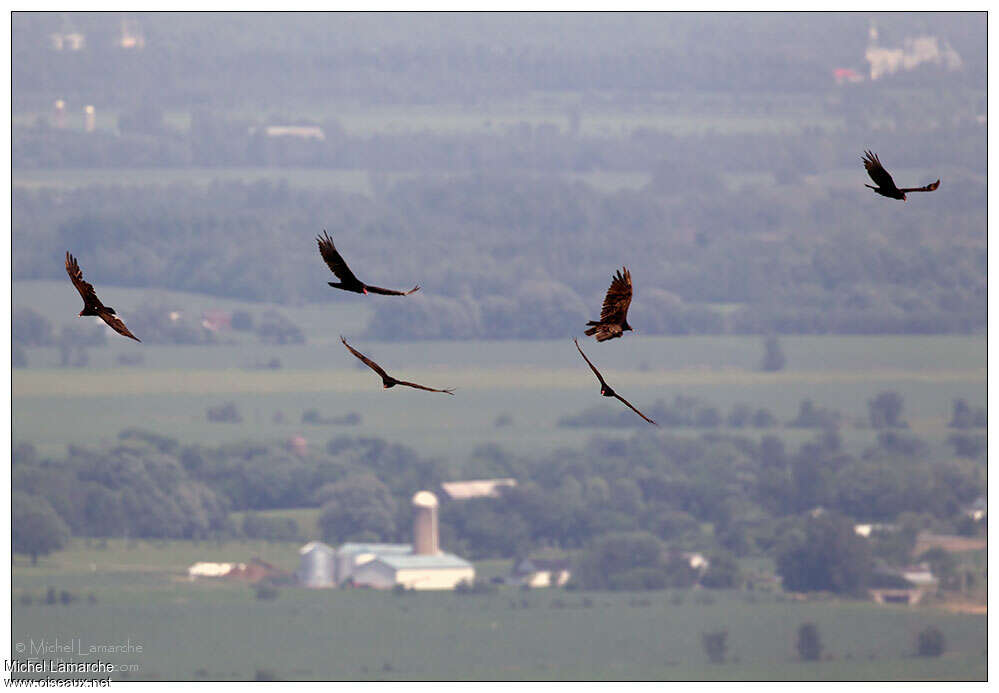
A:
x: 930, y: 642
x: 715, y: 645
x: 809, y: 645
x: 773, y: 357
x: 885, y: 410
x: 966, y: 417
x: 37, y: 529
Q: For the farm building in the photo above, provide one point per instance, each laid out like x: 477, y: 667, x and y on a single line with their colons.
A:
x: 316, y: 565
x: 476, y: 488
x: 253, y: 571
x: 209, y: 569
x: 420, y: 565
x: 350, y: 556
x: 414, y: 571
x: 540, y: 572
x: 906, y: 585
x: 978, y: 510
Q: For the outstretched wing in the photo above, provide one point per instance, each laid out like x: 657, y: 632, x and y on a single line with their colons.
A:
x: 116, y: 324
x: 368, y: 362
x: 877, y: 172
x: 592, y: 367
x: 333, y: 259
x: 390, y: 292
x: 449, y: 390
x: 635, y: 410
x: 926, y: 188
x: 618, y: 298
x: 85, y: 288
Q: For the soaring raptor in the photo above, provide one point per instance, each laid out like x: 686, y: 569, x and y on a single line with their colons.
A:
x: 606, y: 390
x: 613, y: 320
x: 91, y: 304
x: 348, y: 282
x: 886, y: 186
x: 387, y: 380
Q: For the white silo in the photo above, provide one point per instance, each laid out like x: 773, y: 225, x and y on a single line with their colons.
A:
x: 425, y: 539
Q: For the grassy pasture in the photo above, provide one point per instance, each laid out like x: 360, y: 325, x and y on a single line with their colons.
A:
x: 537, y: 382
x: 217, y: 630
x: 347, y: 180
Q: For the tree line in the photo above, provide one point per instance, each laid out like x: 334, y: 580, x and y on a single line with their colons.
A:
x: 725, y: 495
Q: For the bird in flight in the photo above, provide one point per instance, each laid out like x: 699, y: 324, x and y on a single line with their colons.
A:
x: 614, y: 314
x: 348, y: 282
x: 886, y: 186
x: 387, y: 380
x: 91, y: 304
x: 605, y: 389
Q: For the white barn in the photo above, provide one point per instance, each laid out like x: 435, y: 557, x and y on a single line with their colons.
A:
x: 351, y: 555
x: 414, y: 571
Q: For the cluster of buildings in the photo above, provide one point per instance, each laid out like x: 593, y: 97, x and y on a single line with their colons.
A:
x: 419, y: 566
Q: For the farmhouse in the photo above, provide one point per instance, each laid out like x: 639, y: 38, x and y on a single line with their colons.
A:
x: 476, y: 488
x: 540, y: 572
x: 906, y: 585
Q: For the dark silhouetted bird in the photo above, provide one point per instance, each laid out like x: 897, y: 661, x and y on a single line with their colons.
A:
x: 91, y: 304
x: 387, y: 380
x: 886, y: 186
x: 614, y: 314
x: 605, y: 389
x: 348, y: 282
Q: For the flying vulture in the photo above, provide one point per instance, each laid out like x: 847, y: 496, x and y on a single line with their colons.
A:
x: 387, y: 380
x: 886, y: 186
x: 91, y: 304
x: 614, y: 314
x: 348, y: 282
x: 605, y: 389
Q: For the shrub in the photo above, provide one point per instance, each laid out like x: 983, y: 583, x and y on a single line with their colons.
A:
x: 224, y: 413
x: 930, y: 642
x: 266, y: 592
x: 478, y: 586
x: 715, y: 645
x: 809, y: 644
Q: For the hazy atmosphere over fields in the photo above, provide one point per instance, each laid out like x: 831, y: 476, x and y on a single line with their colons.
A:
x: 814, y: 354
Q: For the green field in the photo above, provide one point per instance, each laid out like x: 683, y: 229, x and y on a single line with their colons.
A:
x: 215, y: 629
x: 536, y: 382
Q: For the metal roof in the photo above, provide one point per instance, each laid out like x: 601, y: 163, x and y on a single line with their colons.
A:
x: 378, y: 549
x: 443, y: 560
x: 314, y: 545
x: 476, y: 488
